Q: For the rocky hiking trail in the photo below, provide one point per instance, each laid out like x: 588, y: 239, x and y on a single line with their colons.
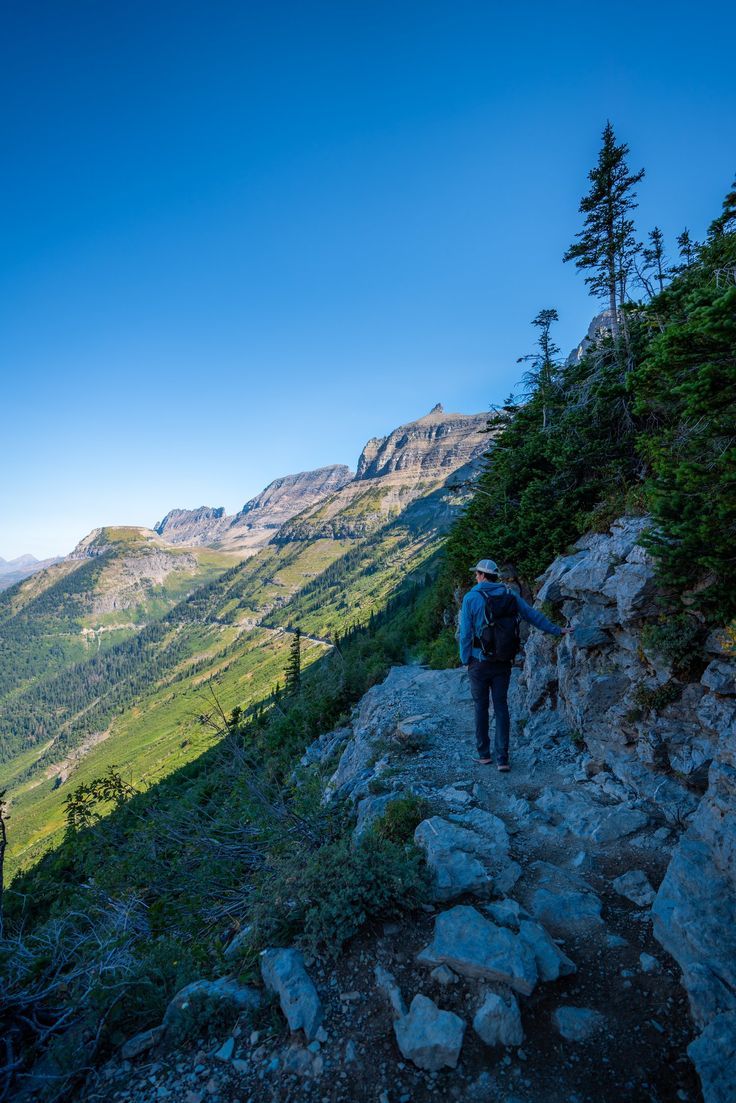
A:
x: 533, y: 978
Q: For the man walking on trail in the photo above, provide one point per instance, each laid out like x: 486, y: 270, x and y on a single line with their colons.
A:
x: 489, y: 640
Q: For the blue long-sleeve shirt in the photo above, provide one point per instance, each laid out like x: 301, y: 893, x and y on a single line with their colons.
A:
x: 472, y: 617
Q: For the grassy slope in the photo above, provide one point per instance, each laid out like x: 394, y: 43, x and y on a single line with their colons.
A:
x: 323, y: 585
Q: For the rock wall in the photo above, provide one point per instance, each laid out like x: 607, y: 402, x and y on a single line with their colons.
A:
x: 678, y: 761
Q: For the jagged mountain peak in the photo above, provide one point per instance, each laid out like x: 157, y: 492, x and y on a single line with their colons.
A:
x: 437, y: 441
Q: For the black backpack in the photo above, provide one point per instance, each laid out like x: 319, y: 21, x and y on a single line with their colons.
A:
x: 499, y: 637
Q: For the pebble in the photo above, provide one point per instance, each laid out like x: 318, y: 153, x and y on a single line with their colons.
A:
x: 649, y: 964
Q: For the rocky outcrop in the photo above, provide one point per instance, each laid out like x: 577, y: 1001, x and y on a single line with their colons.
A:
x: 136, y: 561
x: 664, y: 745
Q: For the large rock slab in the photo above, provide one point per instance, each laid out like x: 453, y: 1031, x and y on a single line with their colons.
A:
x: 714, y: 1056
x: 450, y: 855
x: 474, y: 947
x: 720, y: 677
x: 284, y: 973
x: 566, y: 909
x: 430, y: 1038
x: 454, y: 853
x: 497, y: 1021
x: 241, y: 996
x: 620, y: 823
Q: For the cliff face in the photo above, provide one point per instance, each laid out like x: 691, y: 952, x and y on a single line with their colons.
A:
x: 193, y: 526
x: 436, y: 443
x: 255, y: 524
x: 665, y: 743
x: 438, y: 451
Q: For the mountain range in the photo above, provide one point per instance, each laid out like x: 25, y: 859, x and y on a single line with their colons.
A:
x: 14, y: 570
x: 113, y: 654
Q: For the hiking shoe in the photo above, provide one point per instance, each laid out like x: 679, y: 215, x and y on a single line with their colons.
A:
x: 483, y: 761
x: 503, y: 767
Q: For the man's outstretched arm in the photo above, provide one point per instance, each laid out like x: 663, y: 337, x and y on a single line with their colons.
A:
x: 537, y: 619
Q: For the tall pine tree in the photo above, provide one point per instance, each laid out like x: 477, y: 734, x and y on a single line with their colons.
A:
x: 294, y: 665
x: 606, y: 247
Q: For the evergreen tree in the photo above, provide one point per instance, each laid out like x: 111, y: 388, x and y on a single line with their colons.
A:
x: 688, y: 249
x: 294, y: 665
x: 606, y: 247
x: 654, y: 263
x: 542, y: 379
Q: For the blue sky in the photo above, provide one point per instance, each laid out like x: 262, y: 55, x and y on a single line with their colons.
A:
x: 238, y: 239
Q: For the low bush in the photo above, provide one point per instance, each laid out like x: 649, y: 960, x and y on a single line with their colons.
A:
x: 676, y: 639
x: 324, y: 899
x: 401, y: 819
x: 652, y: 698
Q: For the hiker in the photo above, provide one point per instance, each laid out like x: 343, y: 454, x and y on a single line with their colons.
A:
x: 489, y: 640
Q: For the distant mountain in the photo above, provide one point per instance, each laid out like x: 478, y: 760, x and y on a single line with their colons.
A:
x: 412, y: 462
x: 259, y: 519
x: 15, y: 570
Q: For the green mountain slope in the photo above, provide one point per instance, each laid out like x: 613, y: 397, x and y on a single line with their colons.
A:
x: 139, y: 703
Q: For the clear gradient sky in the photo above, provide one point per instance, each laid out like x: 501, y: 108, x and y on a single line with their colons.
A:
x: 238, y: 239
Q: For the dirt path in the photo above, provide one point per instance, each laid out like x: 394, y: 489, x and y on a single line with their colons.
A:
x: 553, y: 815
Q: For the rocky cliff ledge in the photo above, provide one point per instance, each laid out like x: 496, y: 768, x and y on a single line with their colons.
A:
x: 572, y: 899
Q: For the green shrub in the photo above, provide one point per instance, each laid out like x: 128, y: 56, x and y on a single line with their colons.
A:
x: 325, y: 898
x: 401, y: 819
x: 205, y: 1017
x: 648, y: 698
x: 677, y: 639
x: 442, y: 652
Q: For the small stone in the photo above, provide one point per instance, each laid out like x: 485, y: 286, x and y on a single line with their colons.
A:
x: 444, y: 976
x: 226, y: 1050
x: 498, y: 1022
x: 635, y: 886
x: 386, y: 983
x: 577, y: 1024
x: 431, y: 1038
x: 649, y: 964
x: 140, y: 1043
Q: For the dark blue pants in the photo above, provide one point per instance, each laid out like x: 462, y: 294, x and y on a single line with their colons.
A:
x: 491, y: 680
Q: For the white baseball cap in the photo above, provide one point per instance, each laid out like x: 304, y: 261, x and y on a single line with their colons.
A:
x: 487, y: 566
